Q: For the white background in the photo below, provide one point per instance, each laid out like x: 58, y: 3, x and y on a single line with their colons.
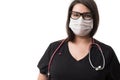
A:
x: 28, y: 26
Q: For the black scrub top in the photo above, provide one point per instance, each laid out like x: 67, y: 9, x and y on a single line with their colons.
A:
x: 65, y: 67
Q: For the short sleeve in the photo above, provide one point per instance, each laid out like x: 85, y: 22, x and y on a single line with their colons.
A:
x: 114, y: 66
x: 43, y: 63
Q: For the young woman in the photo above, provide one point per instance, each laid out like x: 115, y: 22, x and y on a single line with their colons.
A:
x: 80, y: 56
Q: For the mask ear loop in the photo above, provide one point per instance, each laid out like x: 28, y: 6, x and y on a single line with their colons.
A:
x: 99, y: 67
x: 51, y: 58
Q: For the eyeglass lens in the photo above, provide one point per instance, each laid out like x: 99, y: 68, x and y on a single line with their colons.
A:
x: 85, y: 15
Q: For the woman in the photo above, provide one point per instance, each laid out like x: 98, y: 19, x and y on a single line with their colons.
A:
x: 80, y: 56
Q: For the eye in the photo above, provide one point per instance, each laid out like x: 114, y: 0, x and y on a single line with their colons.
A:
x: 87, y: 16
x: 75, y: 15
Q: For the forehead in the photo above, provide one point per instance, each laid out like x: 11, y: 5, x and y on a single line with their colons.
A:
x: 80, y: 8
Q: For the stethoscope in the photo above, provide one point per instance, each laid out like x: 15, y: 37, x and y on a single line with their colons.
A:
x: 100, y: 67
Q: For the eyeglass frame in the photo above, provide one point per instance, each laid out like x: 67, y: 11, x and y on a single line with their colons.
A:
x: 81, y: 14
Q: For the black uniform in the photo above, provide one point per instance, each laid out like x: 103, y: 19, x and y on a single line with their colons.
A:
x: 65, y: 67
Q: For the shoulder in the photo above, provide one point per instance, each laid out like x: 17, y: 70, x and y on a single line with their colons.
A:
x: 53, y: 45
x: 58, y: 42
x: 104, y: 46
x: 106, y: 49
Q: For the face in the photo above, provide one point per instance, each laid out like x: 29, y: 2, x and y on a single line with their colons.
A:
x: 81, y: 22
x: 80, y: 10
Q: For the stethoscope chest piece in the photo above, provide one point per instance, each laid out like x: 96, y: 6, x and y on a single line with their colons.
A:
x: 98, y: 68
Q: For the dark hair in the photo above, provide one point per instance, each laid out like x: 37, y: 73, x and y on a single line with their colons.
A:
x: 91, y: 5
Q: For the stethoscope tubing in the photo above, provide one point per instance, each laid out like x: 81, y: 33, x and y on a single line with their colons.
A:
x: 98, y: 67
x: 93, y: 43
x: 49, y: 64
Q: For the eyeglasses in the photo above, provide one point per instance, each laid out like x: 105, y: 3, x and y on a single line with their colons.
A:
x: 85, y: 15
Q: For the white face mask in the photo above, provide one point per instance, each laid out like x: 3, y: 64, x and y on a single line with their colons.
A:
x: 81, y: 27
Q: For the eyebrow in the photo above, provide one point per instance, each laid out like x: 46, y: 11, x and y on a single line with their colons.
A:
x: 80, y: 12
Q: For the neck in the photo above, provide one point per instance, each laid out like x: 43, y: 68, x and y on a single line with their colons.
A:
x: 82, y: 40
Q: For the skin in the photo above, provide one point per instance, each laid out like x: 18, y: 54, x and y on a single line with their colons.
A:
x: 42, y: 77
x: 80, y: 47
